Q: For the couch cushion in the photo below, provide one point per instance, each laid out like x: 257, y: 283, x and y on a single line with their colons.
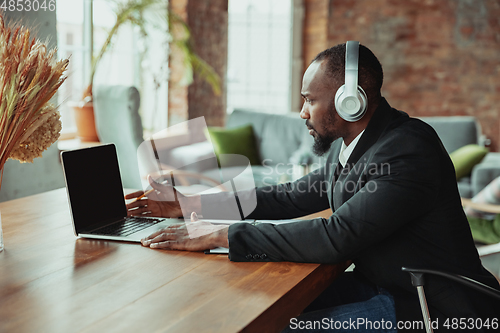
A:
x: 484, y: 172
x: 456, y: 131
x: 277, y: 136
x: 466, y: 157
x: 465, y: 187
x: 236, y: 140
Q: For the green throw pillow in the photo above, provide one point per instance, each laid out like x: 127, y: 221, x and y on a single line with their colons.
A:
x: 466, y: 157
x: 239, y: 140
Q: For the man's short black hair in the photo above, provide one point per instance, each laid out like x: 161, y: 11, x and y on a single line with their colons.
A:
x: 370, y: 74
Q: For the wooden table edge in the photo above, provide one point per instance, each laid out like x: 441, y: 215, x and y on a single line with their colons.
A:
x: 296, y: 299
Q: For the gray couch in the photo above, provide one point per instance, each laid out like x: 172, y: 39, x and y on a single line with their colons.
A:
x: 283, y: 142
x: 458, y: 131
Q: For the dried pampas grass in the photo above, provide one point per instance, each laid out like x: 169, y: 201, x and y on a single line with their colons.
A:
x: 29, y: 77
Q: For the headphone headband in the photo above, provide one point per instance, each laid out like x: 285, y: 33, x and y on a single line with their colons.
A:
x: 350, y: 99
x: 351, y: 68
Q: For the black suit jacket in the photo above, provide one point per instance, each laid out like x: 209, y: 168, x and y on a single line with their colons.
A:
x: 395, y: 204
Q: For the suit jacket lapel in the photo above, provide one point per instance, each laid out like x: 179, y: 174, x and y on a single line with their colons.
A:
x: 334, y: 158
x: 380, y: 119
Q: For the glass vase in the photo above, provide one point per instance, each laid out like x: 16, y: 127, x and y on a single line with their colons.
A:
x: 1, y: 233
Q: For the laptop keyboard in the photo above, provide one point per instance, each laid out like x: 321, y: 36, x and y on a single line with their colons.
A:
x: 127, y: 227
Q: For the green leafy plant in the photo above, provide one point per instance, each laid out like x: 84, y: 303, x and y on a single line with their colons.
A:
x: 133, y: 12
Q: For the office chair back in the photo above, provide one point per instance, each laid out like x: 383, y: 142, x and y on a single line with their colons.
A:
x: 417, y: 280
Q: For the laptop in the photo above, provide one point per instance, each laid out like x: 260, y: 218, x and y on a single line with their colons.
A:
x: 96, y: 198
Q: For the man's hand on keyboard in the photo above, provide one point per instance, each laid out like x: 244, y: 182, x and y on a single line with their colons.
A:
x: 190, y: 236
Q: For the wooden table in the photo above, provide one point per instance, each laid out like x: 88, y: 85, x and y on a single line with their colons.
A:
x: 52, y: 281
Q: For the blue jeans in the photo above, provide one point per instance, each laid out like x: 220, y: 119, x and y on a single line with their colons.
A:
x: 349, y: 304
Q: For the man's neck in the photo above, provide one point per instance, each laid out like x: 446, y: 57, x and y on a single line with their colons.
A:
x: 353, y: 135
x: 360, y: 125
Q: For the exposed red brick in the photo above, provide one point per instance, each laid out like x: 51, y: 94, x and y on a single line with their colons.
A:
x: 315, y: 30
x: 207, y: 21
x: 440, y: 57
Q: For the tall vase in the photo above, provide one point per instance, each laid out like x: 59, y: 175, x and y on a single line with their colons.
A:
x: 1, y: 233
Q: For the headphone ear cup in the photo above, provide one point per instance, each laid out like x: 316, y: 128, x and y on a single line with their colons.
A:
x: 363, y: 99
x: 338, y: 100
x: 355, y: 114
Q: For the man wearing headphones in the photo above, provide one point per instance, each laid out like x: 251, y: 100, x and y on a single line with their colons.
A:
x: 391, y: 187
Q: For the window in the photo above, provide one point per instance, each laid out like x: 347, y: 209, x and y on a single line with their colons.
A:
x: 118, y: 65
x: 70, y: 43
x: 264, y: 55
x: 126, y: 63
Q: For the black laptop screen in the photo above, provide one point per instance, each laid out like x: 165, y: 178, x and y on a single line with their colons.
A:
x: 94, y: 186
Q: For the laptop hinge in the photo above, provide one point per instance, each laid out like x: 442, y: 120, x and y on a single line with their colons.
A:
x: 100, y: 225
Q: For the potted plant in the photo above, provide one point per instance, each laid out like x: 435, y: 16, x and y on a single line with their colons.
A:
x: 133, y: 11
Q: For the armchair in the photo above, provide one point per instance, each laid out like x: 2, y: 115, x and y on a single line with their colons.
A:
x: 118, y: 121
x: 456, y: 132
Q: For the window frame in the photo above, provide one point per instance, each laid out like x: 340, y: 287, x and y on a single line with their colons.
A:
x: 295, y: 70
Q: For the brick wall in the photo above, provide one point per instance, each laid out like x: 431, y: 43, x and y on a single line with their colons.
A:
x: 177, y: 91
x: 207, y: 21
x: 440, y: 57
x: 315, y: 31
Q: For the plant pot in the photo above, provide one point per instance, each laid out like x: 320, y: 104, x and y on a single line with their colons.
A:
x: 85, y: 123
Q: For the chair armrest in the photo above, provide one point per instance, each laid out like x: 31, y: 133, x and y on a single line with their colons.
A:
x: 199, y: 156
x: 457, y: 278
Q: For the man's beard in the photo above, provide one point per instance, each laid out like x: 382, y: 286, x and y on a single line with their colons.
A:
x: 322, y: 143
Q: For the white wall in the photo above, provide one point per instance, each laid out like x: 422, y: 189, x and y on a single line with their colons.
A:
x: 45, y: 173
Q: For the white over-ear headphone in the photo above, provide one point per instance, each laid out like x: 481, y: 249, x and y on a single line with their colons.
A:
x: 350, y: 99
